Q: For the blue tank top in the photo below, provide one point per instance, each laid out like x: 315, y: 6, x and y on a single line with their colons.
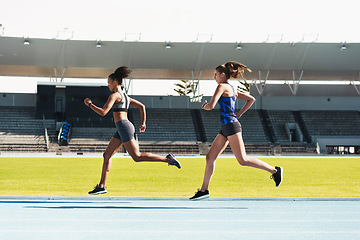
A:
x: 227, y: 108
x: 123, y: 105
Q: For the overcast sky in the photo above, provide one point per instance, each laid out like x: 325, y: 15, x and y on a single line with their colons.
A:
x: 160, y: 20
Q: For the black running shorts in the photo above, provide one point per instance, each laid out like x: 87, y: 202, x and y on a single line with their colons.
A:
x: 230, y: 129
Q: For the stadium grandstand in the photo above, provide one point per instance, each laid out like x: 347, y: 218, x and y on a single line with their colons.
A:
x: 308, y: 95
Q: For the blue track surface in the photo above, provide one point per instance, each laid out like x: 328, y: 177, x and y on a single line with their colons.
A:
x: 178, y: 218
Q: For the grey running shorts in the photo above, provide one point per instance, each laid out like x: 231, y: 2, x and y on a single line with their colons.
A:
x: 125, y: 130
x: 230, y: 129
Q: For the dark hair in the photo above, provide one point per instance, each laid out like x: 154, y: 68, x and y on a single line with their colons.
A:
x: 232, y: 69
x: 120, y: 73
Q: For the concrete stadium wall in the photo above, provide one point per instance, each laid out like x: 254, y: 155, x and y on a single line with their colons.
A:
x: 324, y: 141
x: 17, y: 99
x: 296, y: 103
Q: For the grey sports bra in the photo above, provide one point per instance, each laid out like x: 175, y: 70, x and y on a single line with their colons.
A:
x: 123, y: 105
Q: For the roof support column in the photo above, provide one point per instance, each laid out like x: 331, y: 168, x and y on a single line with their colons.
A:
x: 260, y: 87
x: 55, y: 78
x: 55, y: 74
x: 195, y: 87
x: 62, y: 75
x: 127, y: 85
x: 197, y: 68
x: 353, y: 82
x: 295, y: 83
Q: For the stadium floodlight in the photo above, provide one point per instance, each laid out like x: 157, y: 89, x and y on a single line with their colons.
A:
x: 343, y: 46
x: 238, y: 46
x: 26, y: 41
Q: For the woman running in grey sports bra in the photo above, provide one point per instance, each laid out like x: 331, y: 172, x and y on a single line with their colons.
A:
x: 119, y: 102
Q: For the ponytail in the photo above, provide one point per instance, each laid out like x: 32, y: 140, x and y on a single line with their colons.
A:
x: 120, y: 73
x: 123, y: 72
x: 232, y: 69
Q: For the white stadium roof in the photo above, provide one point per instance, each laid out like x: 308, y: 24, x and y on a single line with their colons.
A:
x: 180, y: 60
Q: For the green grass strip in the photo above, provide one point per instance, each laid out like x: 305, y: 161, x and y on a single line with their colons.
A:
x: 303, y: 177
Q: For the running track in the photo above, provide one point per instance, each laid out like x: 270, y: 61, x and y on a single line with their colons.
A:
x: 177, y: 218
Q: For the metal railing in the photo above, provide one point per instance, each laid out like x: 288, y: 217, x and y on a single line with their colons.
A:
x: 46, y: 134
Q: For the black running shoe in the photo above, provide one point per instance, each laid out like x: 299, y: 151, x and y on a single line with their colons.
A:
x: 98, y: 190
x: 200, y: 195
x: 278, y: 176
x: 173, y: 160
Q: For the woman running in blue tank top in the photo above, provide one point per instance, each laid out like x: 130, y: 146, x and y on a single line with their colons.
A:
x: 227, y: 108
x: 230, y: 131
